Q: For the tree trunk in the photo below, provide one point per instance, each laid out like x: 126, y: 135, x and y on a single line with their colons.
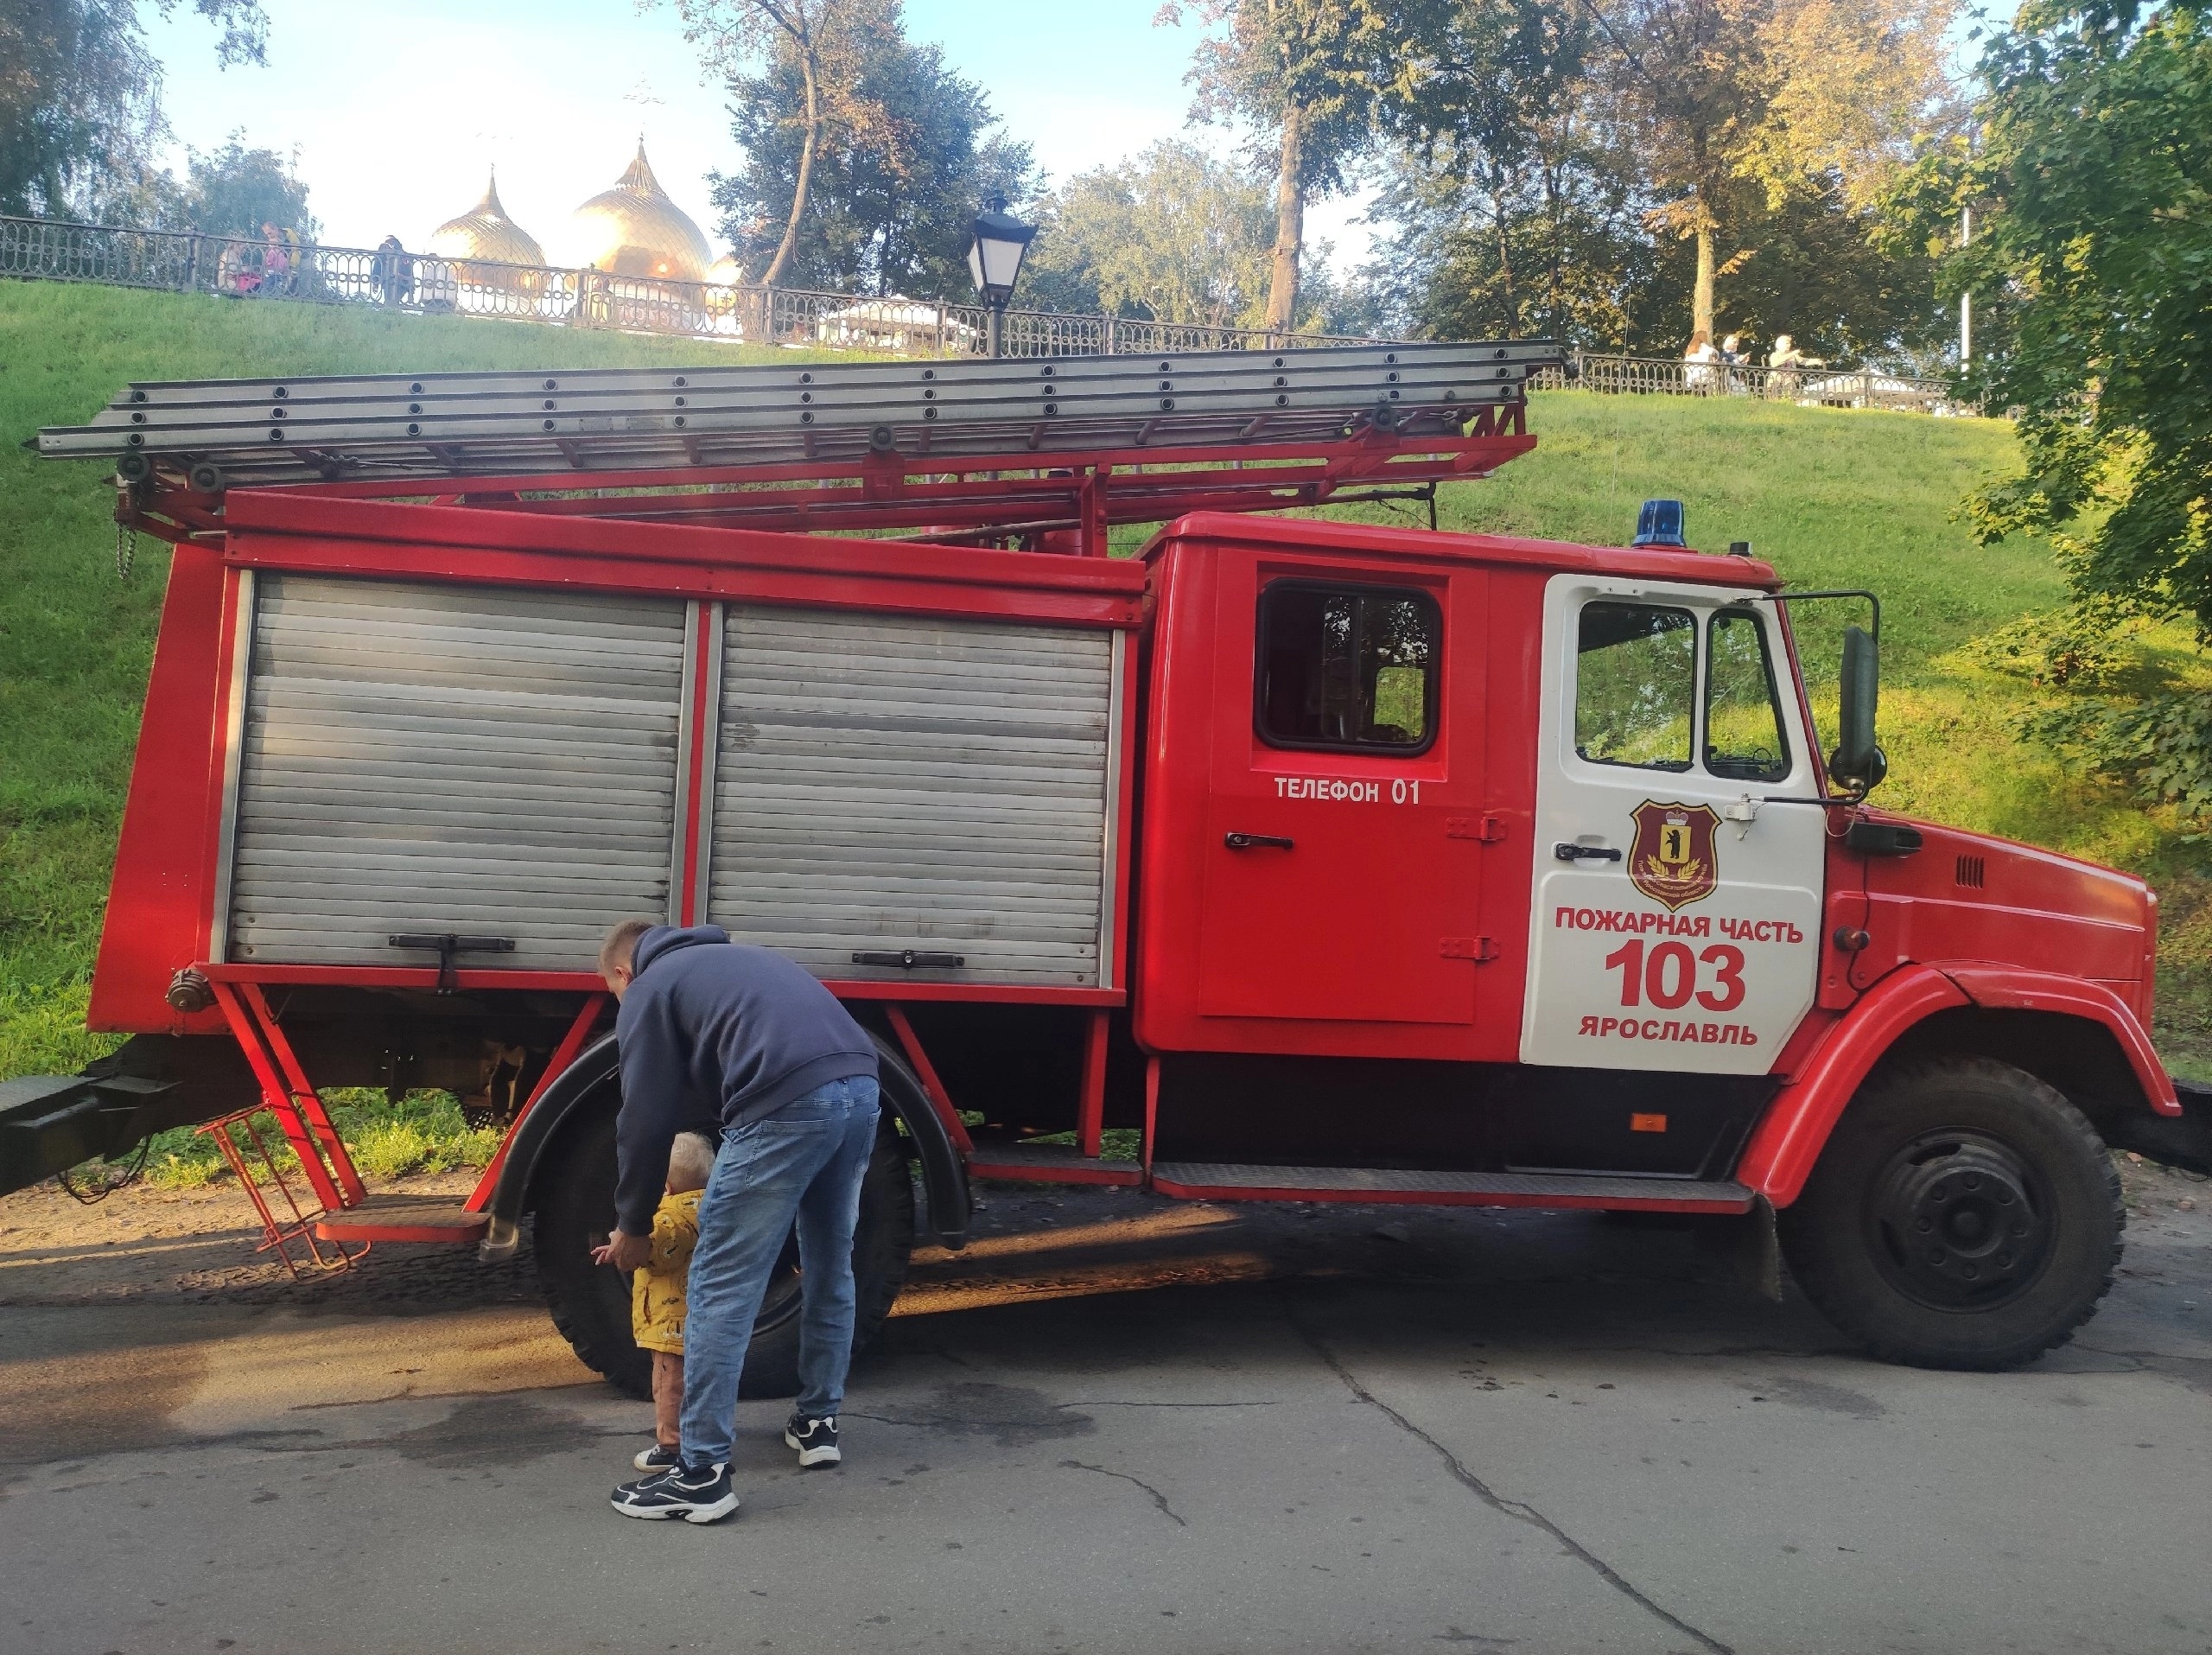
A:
x: 1701, y: 296
x: 1290, y: 224
x: 1510, y: 323
x: 784, y: 249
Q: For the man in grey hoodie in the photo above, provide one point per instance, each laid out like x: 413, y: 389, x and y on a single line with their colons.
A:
x: 709, y: 1026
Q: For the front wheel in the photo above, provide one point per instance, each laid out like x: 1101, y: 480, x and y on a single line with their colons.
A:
x: 1963, y: 1215
x: 590, y: 1303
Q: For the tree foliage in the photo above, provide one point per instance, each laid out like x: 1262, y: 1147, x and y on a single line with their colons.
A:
x: 2096, y: 172
x: 899, y: 159
x: 1572, y: 166
x: 235, y: 190
x: 80, y: 106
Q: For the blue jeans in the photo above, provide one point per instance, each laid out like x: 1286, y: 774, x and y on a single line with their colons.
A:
x: 804, y: 1163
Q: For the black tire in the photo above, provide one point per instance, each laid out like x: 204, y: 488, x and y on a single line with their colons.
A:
x: 1962, y: 1215
x: 590, y: 1304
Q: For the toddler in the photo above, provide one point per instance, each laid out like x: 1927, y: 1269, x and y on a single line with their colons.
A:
x: 656, y: 1292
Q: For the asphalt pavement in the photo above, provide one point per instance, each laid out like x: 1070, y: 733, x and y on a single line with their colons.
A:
x: 1118, y: 1423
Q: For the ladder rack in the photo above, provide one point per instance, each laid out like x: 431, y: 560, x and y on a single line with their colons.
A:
x: 209, y: 434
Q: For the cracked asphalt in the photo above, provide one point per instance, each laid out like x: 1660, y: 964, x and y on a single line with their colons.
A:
x: 1114, y: 1424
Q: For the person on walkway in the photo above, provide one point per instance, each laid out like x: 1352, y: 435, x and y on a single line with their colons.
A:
x: 657, y: 1301
x: 707, y: 1025
x: 1700, y: 371
x: 393, y: 275
x: 1785, y: 363
x: 275, y: 263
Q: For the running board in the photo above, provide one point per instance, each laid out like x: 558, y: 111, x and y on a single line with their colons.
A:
x: 1048, y: 1163
x: 1224, y: 1181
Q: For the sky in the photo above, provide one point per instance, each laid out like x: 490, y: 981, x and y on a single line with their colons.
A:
x: 399, y: 110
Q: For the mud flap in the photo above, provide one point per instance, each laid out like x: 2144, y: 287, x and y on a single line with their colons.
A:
x: 1750, y: 1246
x: 2183, y: 1140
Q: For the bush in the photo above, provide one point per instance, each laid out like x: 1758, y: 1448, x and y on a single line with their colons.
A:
x: 2159, y: 746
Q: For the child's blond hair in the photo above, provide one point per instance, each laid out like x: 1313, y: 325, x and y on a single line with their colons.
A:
x: 690, y: 1158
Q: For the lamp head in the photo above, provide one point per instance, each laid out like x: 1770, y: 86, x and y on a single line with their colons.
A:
x: 994, y: 254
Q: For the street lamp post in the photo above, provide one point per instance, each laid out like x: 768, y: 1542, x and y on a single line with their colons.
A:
x: 995, y: 260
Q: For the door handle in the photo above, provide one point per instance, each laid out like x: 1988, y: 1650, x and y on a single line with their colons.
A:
x: 1585, y: 853
x: 1255, y: 842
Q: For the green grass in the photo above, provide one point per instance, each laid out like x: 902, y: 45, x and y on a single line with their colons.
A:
x: 1834, y: 498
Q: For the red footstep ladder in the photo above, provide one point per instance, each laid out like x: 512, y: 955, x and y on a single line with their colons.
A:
x: 338, y: 1219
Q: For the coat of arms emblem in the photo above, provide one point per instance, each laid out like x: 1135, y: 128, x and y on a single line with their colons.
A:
x: 1672, y: 860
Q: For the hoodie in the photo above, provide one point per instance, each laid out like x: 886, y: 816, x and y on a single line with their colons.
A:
x: 710, y: 1027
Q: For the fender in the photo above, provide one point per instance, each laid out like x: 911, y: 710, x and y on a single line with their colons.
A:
x: 1795, y: 1127
x: 2011, y: 988
x: 944, y: 1180
x: 1790, y: 1136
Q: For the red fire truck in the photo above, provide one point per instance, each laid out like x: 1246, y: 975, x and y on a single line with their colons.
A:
x: 1343, y: 862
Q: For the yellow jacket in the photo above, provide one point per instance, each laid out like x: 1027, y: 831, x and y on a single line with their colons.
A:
x: 656, y: 1290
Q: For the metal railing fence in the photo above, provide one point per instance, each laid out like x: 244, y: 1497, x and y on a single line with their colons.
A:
x: 427, y: 283
x: 1822, y: 385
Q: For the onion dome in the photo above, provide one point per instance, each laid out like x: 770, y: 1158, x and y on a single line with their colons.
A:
x: 486, y: 231
x: 724, y: 278
x: 635, y: 230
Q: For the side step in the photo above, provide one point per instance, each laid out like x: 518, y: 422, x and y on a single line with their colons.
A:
x: 432, y: 1218
x: 1224, y: 1181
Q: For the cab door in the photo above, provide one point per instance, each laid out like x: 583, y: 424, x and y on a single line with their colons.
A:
x: 1332, y: 893
x: 1676, y: 902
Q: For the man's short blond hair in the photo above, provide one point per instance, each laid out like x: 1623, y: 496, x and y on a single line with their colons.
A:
x: 620, y: 947
x: 690, y: 1158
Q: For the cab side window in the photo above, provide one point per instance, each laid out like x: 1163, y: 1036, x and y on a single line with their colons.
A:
x: 1636, y: 686
x: 1743, y: 714
x: 1347, y: 666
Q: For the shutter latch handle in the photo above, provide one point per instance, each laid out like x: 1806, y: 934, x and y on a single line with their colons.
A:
x: 447, y: 945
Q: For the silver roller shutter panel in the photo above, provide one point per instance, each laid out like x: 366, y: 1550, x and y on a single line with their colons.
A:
x: 885, y: 782
x: 495, y: 761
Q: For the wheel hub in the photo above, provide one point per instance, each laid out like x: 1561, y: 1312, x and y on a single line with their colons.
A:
x: 1961, y: 1223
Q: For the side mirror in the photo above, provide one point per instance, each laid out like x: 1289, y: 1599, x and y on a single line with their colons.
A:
x: 1857, y: 763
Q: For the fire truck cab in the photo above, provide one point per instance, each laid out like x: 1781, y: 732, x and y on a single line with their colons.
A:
x: 1334, y: 861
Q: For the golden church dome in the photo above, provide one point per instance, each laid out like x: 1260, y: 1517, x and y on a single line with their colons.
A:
x: 486, y: 231
x: 724, y: 276
x: 635, y: 230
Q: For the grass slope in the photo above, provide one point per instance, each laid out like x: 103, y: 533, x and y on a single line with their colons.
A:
x: 76, y: 643
x: 1834, y: 498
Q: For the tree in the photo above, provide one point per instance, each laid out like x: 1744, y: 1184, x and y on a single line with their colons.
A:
x: 2096, y: 156
x: 1173, y: 235
x: 1790, y: 97
x: 80, y: 109
x: 1488, y: 108
x: 1306, y: 75
x: 236, y: 190
x: 894, y: 179
x: 819, y: 47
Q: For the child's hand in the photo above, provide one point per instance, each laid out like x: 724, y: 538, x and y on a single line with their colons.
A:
x: 603, y: 1254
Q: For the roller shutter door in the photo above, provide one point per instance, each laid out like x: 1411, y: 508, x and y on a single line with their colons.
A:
x: 885, y: 783
x: 431, y: 758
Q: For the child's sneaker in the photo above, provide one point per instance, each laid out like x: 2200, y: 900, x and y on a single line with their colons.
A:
x: 697, y: 1495
x: 659, y: 1457
x: 814, y: 1439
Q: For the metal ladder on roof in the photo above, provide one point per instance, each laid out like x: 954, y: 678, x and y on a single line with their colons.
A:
x: 211, y: 434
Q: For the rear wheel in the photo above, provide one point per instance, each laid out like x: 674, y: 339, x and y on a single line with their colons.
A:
x: 1963, y: 1215
x: 591, y: 1304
